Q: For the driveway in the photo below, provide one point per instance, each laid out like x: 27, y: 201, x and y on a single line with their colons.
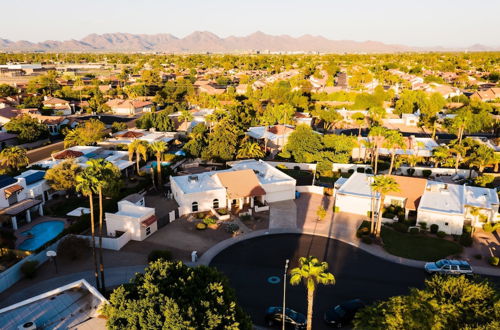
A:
x: 282, y: 215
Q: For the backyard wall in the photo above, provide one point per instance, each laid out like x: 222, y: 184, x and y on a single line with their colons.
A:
x: 344, y: 168
x: 311, y: 189
x: 439, y: 170
x: 110, y: 243
x: 302, y: 166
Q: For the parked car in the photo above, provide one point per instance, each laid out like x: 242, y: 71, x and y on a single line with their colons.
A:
x: 449, y: 267
x: 343, y: 313
x: 293, y: 319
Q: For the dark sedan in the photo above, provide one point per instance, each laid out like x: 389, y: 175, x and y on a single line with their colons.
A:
x: 343, y: 314
x: 293, y: 319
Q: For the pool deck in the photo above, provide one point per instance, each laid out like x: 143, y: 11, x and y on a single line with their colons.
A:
x: 21, y: 238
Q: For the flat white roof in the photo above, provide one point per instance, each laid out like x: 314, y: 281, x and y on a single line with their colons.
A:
x: 261, y: 132
x: 265, y: 172
x: 358, y: 184
x: 197, y: 182
x: 481, y: 197
x: 442, y: 197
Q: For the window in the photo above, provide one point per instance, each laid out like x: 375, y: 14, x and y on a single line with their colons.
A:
x: 216, y: 203
x: 148, y: 231
x: 194, y: 207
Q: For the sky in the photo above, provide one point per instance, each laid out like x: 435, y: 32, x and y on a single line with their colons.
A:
x: 449, y: 23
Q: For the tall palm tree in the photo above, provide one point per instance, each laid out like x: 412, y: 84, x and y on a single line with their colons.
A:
x: 104, y: 175
x: 140, y: 149
x: 311, y: 272
x: 459, y: 150
x: 376, y: 135
x: 185, y: 116
x: 440, y: 155
x: 158, y: 148
x: 360, y: 120
x: 393, y: 140
x: 482, y: 156
x: 14, y: 158
x: 85, y: 182
x: 250, y: 149
x: 382, y: 184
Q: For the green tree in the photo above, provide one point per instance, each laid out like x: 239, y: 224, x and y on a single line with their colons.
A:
x: 88, y: 133
x: 158, y: 148
x: 197, y: 141
x: 452, y: 302
x: 62, y: 177
x: 482, y: 156
x: 303, y: 144
x: 14, y: 158
x: 28, y: 129
x: 223, y: 141
x: 440, y: 155
x: 360, y: 120
x: 382, y: 185
x: 138, y: 148
x: 376, y: 136
x: 118, y: 126
x: 7, y: 90
x: 278, y: 114
x: 249, y: 149
x: 393, y: 140
x: 330, y: 117
x: 170, y: 295
x: 311, y: 272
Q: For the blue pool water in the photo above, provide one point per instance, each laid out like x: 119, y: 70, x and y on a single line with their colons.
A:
x: 42, y: 233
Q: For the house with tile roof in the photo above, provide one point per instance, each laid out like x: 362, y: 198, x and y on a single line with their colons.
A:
x: 59, y: 106
x: 276, y: 136
x: 129, y: 107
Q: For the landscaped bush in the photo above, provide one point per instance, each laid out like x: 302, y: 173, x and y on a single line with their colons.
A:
x: 72, y: 247
x: 426, y: 173
x: 200, y: 215
x: 222, y: 211
x: 441, y: 234
x: 466, y: 239
x: 414, y: 231
x: 410, y: 171
x: 296, y: 168
x: 201, y: 226
x: 360, y: 170
x: 246, y: 217
x: 366, y: 239
x: 401, y: 227
x: 363, y: 231
x: 281, y: 167
x: 159, y: 254
x: 434, y: 228
x: 494, y: 261
x: 489, y: 228
x: 231, y: 228
x: 350, y: 171
x: 29, y: 268
x: 336, y: 209
x: 423, y: 226
x: 369, y: 171
x: 467, y: 229
x: 392, y: 211
x: 210, y: 221
x: 383, y: 165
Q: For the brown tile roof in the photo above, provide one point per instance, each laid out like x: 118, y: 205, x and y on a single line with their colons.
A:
x: 149, y: 221
x: 68, y: 153
x: 9, y: 191
x: 239, y: 184
x: 54, y: 101
x: 410, y: 188
x: 131, y: 134
x: 48, y: 120
x: 280, y: 129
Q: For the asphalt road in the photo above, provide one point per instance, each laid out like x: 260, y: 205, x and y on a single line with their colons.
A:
x: 358, y: 274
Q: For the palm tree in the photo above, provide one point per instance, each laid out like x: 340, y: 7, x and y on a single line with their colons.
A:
x: 440, y: 155
x: 377, y: 134
x: 211, y: 119
x: 412, y: 160
x: 360, y: 120
x: 249, y: 149
x: 140, y: 149
x: 85, y: 182
x: 158, y: 147
x: 482, y: 156
x: 475, y: 212
x: 382, y: 184
x: 460, y: 151
x: 14, y: 157
x: 393, y: 140
x: 104, y: 175
x: 185, y: 116
x: 312, y: 272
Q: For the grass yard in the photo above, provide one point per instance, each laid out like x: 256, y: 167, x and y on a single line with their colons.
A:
x: 418, y: 247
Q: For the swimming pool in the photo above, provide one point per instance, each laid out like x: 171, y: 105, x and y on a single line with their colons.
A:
x: 42, y: 233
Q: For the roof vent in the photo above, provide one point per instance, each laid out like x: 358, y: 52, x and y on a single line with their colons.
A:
x: 193, y: 178
x: 27, y: 325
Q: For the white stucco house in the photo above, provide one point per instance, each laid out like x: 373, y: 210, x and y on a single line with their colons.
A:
x: 139, y: 221
x: 422, y: 147
x: 247, y: 183
x: 129, y: 107
x: 276, y: 135
x: 128, y: 136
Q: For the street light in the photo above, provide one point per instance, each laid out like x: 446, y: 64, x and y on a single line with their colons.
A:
x: 284, y: 292
x: 52, y: 255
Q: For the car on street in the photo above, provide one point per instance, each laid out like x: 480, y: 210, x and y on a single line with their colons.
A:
x: 293, y: 319
x: 343, y: 314
x: 449, y: 267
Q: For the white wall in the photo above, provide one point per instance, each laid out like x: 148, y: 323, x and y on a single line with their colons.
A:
x: 344, y: 168
x: 303, y: 166
x: 279, y: 191
x: 311, y: 189
x: 110, y: 243
x: 439, y: 170
x: 455, y: 221
x: 353, y: 204
x: 204, y: 199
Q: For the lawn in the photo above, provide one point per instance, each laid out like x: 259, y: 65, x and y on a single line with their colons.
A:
x: 418, y: 247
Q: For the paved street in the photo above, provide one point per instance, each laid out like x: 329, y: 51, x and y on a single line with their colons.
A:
x: 39, y: 154
x: 250, y: 263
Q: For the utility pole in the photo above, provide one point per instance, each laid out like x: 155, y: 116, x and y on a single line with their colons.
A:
x: 284, y: 292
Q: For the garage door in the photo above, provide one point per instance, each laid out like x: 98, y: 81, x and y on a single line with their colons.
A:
x: 278, y: 196
x: 353, y: 204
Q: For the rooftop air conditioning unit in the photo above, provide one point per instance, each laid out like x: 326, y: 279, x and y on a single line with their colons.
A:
x: 193, y: 178
x: 27, y: 326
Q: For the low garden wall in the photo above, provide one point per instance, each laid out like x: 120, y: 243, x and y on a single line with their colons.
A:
x: 291, y: 166
x: 261, y: 208
x: 311, y: 189
x: 438, y: 171
x: 110, y: 243
x: 344, y: 168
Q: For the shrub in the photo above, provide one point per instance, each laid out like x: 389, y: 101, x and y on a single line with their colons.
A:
x: 210, y: 221
x: 465, y: 239
x: 336, y: 209
x: 441, y: 234
x: 72, y: 247
x: 366, y: 239
x: 363, y: 231
x: 231, y: 228
x: 467, y: 229
x: 159, y: 254
x: 414, y: 231
x: 410, y: 171
x: 369, y: 171
x: 494, y: 261
x: 29, y: 269
x: 350, y: 171
x: 281, y: 167
x: 200, y: 215
x: 489, y: 228
x: 426, y: 173
x: 360, y: 170
x: 201, y: 226
x: 222, y: 211
x: 423, y: 225
x: 246, y: 217
x: 401, y: 227
x: 434, y: 228
x: 296, y: 168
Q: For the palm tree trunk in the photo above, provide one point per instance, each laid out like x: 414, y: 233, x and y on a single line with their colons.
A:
x: 372, y: 215
x: 434, y: 131
x: 137, y: 161
x: 101, y: 257
x: 310, y: 301
x: 457, y: 162
x: 92, y: 229
x: 379, y: 216
x: 158, y: 169
x: 392, y: 163
x: 376, y: 161
x: 359, y: 130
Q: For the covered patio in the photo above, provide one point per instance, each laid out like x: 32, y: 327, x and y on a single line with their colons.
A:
x: 21, y: 212
x: 242, y: 189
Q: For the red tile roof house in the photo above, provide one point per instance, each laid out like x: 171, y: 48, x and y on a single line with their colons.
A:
x: 129, y: 107
x: 59, y: 106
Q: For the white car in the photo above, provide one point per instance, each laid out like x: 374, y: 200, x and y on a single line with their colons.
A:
x: 449, y: 267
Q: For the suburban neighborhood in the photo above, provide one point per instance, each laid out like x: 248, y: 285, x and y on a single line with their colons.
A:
x: 155, y: 182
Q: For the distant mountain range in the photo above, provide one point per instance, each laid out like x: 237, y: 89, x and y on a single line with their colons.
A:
x: 203, y: 41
